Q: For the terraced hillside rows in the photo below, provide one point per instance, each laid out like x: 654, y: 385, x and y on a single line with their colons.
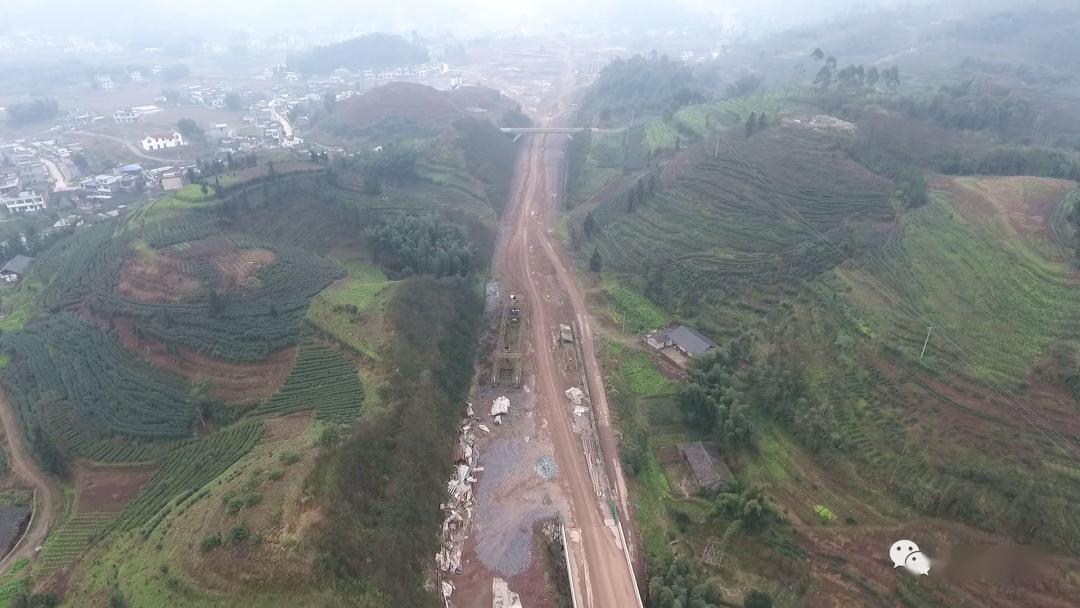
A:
x: 64, y: 363
x: 781, y: 206
x: 214, y: 316
x: 322, y: 380
x: 1000, y: 302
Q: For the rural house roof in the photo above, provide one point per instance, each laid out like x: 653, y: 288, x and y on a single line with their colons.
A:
x: 690, y: 340
x: 17, y: 264
x: 708, y: 474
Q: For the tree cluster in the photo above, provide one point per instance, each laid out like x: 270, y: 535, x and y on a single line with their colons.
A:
x: 37, y: 110
x: 369, y: 52
x: 712, y: 400
x: 643, y: 86
x: 777, y: 388
x: 378, y: 487
x: 423, y: 245
x: 190, y: 130
x: 681, y: 583
x: 755, y: 123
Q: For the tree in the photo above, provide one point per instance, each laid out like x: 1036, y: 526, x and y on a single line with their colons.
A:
x: 749, y: 505
x: 757, y: 599
x: 818, y: 54
x: 589, y: 225
x: 761, y: 122
x: 270, y: 168
x: 233, y: 102
x: 891, y: 76
x: 872, y: 76
x: 190, y: 130
x: 199, y: 393
x: 204, y: 189
x: 38, y: 110
x: 596, y: 263
x: 824, y: 77
x: 751, y: 124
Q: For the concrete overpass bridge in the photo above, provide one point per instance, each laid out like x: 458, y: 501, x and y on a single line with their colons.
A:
x: 517, y: 132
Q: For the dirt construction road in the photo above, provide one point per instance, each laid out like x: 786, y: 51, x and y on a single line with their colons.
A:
x: 47, y: 495
x: 602, y: 576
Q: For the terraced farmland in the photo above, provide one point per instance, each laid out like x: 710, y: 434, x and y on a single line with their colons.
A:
x: 107, y: 391
x: 71, y: 540
x: 186, y: 470
x: 1000, y: 301
x: 774, y: 209
x: 323, y: 381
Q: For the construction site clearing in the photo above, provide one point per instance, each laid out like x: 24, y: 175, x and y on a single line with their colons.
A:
x: 500, y: 423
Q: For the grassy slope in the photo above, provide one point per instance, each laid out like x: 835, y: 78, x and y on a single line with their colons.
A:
x: 1006, y: 297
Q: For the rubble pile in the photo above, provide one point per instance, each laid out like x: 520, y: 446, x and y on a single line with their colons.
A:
x: 458, y: 508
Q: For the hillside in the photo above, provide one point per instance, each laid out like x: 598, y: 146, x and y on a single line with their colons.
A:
x: 190, y: 371
x: 819, y: 277
x: 368, y: 52
x: 431, y: 146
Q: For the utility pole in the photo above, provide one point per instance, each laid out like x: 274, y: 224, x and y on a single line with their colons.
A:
x: 926, y: 341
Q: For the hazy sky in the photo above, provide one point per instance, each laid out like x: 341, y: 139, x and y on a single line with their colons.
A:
x: 467, y: 17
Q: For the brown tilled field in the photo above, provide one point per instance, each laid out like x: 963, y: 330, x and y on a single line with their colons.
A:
x: 168, y: 275
x: 109, y: 488
x: 159, y: 279
x: 232, y: 382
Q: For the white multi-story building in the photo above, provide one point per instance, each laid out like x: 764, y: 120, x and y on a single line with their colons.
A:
x: 104, y: 82
x: 125, y: 117
x: 102, y: 187
x: 162, y: 141
x: 23, y: 202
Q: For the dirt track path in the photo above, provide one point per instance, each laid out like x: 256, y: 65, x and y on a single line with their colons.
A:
x: 48, y: 497
x: 603, y: 577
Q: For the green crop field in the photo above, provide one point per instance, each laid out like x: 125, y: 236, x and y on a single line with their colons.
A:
x: 323, y: 381
x: 64, y: 362
x: 187, y: 469
x: 764, y: 214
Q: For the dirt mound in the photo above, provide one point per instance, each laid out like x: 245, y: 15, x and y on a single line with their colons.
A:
x: 170, y: 275
x: 402, y: 100
x: 233, y: 382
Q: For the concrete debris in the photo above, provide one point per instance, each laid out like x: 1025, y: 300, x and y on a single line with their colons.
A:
x: 575, y: 395
x: 579, y: 410
x: 447, y: 588
x: 500, y: 406
x: 502, y: 597
x: 460, y: 503
x: 469, y: 410
x: 498, y: 419
x: 484, y: 428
